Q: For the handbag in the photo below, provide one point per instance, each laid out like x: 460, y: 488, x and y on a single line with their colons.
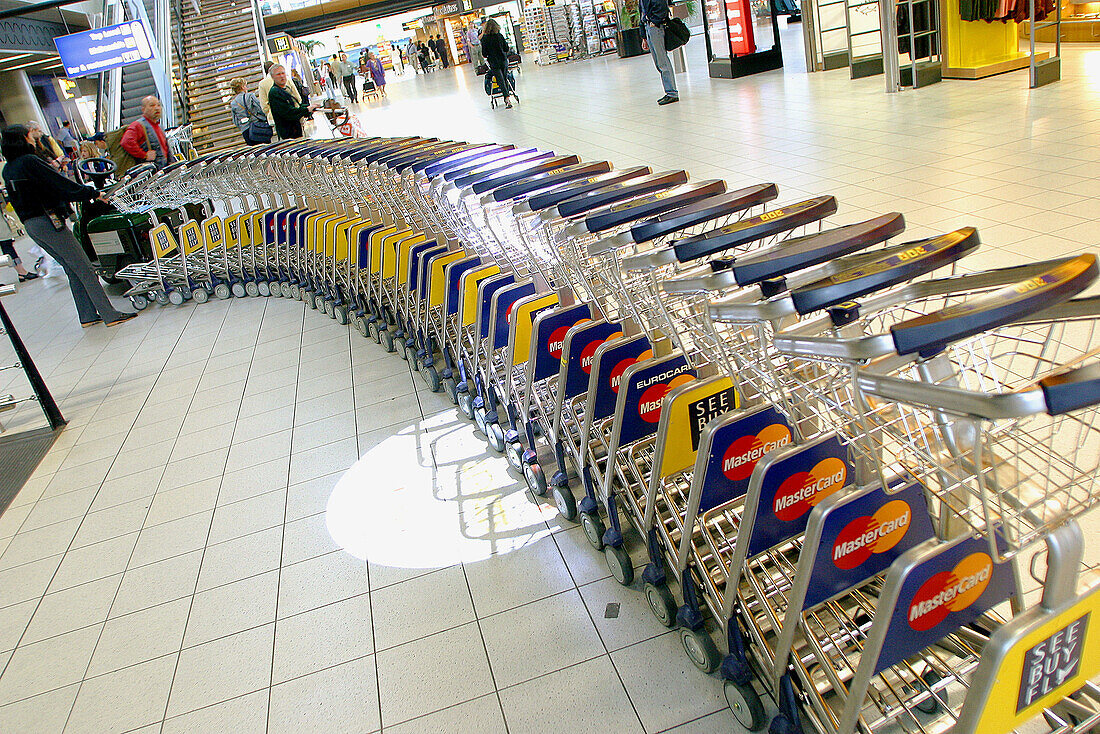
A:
x: 482, y: 69
x: 260, y: 131
x: 676, y: 34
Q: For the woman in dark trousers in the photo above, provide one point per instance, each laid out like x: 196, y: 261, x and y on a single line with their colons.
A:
x: 41, y: 196
x: 495, y: 49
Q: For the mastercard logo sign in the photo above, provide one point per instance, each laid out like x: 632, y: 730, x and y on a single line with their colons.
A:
x: 649, y: 407
x: 871, y: 534
x: 556, y: 342
x: 743, y: 454
x: 950, y: 591
x: 802, y: 491
x: 589, y: 352
x: 617, y: 373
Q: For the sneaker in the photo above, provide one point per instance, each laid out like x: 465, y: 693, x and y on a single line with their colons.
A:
x: 507, y: 105
x: 86, y: 324
x: 667, y: 100
x: 120, y: 319
x: 28, y: 276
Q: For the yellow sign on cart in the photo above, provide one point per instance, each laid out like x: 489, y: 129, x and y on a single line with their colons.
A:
x: 191, y: 236
x: 163, y: 241
x: 470, y: 280
x: 688, y: 413
x: 214, y: 230
x: 1051, y: 657
x: 524, y: 316
x: 437, y: 288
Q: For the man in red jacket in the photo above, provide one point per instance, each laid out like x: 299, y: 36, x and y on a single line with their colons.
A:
x: 144, y: 139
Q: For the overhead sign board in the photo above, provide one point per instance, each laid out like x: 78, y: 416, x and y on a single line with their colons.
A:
x: 103, y: 49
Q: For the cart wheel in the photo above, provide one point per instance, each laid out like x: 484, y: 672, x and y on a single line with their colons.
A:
x: 745, y: 704
x: 700, y: 649
x: 619, y: 563
x: 283, y: 289
x: 496, y: 437
x: 296, y: 291
x: 410, y: 356
x: 252, y: 288
x: 386, y: 340
x: 565, y: 502
x: 593, y: 529
x: 139, y: 302
x: 162, y: 298
x: 661, y: 604
x: 186, y: 293
x: 310, y: 299
x: 399, y: 347
x: 513, y: 452
x: 931, y: 705
x: 361, y: 325
x: 264, y: 288
x: 451, y: 389
x: 466, y: 404
x: 535, y: 478
x: 222, y: 291
x: 201, y: 295
x: 238, y: 290
x: 340, y: 313
x: 431, y: 376
x: 175, y: 298
x: 479, y: 421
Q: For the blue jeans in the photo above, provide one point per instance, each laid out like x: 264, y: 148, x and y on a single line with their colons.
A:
x: 91, y: 302
x: 655, y: 35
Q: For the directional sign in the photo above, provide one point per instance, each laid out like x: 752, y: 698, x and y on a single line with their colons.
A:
x: 102, y: 49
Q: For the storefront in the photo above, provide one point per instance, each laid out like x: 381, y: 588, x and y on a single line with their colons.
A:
x: 455, y: 20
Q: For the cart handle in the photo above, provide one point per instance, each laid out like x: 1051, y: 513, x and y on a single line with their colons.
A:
x: 705, y: 210
x: 482, y: 162
x: 524, y: 170
x: 623, y: 191
x: 1073, y: 390
x: 463, y: 158
x: 897, y: 265
x: 548, y: 199
x: 548, y: 179
x: 651, y: 204
x: 783, y: 219
x: 930, y: 334
x: 805, y: 252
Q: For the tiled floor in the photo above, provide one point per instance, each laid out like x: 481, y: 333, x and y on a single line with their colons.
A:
x: 197, y: 554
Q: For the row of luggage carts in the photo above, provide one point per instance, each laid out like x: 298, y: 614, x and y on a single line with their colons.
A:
x: 857, y: 467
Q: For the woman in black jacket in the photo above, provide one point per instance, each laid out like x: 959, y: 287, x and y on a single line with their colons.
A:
x: 40, y: 196
x: 494, y: 47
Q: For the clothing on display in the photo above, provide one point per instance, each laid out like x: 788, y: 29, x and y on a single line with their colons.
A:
x: 1004, y: 10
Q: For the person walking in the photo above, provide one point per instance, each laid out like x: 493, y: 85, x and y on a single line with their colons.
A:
x: 377, y: 72
x: 287, y: 109
x: 347, y: 76
x: 41, y: 197
x: 45, y: 147
x: 248, y: 115
x: 7, y: 244
x: 413, y: 54
x: 299, y: 84
x: 494, y: 47
x: 144, y: 139
x: 655, y: 16
x: 473, y: 44
x: 441, y: 51
x: 68, y: 142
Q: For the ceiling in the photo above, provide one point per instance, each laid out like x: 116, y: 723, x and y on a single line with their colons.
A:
x: 32, y: 63
x: 334, y: 13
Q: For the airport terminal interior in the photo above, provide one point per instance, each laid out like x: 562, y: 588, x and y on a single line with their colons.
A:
x: 258, y: 519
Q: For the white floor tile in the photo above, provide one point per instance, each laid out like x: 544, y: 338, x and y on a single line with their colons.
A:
x: 71, y: 609
x: 319, y: 581
x: 443, y: 592
x: 49, y: 664
x: 419, y: 677
x: 322, y: 637
x: 172, y: 538
x: 140, y: 636
x: 226, y: 610
x: 526, y: 710
x: 242, y: 715
x: 109, y: 703
x: 157, y: 583
x: 28, y: 581
x: 339, y: 699
x: 482, y: 715
x: 42, y: 714
x: 222, y: 669
x: 240, y: 558
x: 248, y: 516
x: 524, y: 575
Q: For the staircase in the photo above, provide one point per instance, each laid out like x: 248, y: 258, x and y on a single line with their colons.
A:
x: 219, y: 42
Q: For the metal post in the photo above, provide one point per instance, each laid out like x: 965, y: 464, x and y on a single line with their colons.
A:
x: 45, y: 399
x: 888, y: 27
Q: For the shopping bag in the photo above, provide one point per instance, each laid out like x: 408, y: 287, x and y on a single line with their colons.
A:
x: 676, y: 34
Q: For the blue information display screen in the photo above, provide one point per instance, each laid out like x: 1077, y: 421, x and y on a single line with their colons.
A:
x: 102, y: 49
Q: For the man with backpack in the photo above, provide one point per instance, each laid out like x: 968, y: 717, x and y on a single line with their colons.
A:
x: 144, y: 140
